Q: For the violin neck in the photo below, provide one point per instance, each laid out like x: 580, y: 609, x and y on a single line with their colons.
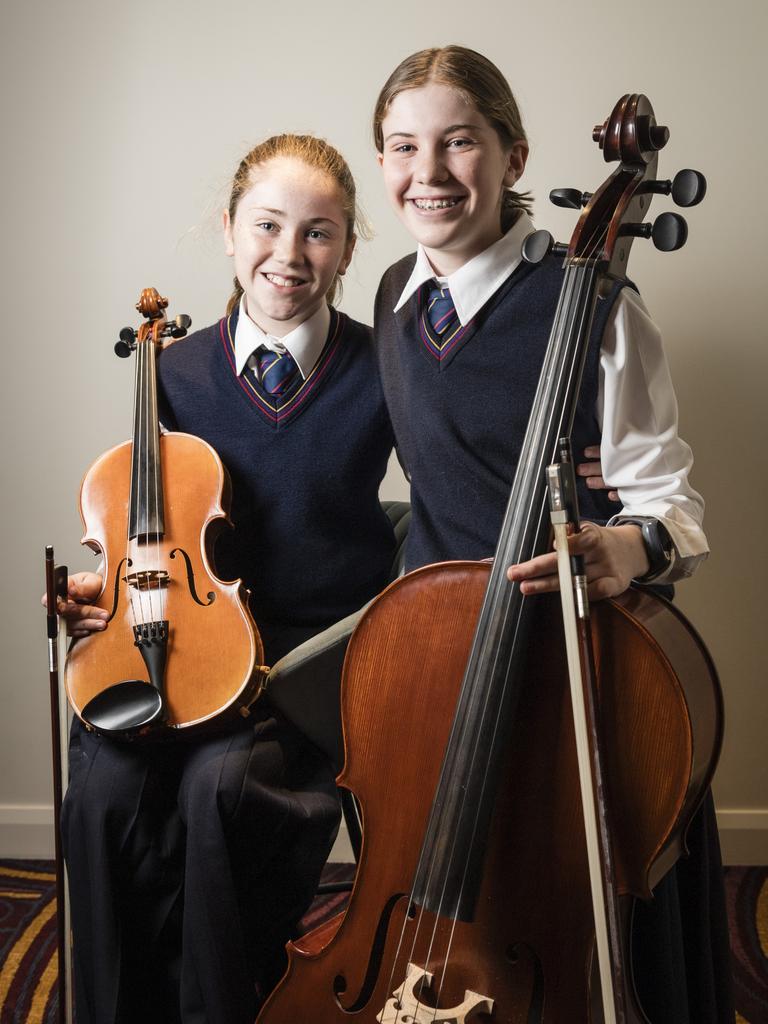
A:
x: 450, y: 865
x: 145, y: 513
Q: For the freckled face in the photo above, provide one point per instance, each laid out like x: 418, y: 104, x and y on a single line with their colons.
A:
x: 444, y: 171
x: 288, y: 240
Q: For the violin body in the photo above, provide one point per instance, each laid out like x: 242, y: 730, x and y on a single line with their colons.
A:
x: 181, y: 648
x: 213, y: 661
x: 529, y: 947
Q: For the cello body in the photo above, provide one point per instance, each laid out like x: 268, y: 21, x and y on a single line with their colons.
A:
x: 473, y: 897
x: 529, y: 947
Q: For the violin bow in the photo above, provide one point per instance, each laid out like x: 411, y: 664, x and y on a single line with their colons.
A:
x: 55, y: 588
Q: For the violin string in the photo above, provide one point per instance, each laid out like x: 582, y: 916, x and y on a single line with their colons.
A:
x: 152, y: 475
x: 134, y: 490
x: 144, y: 511
x: 139, y: 523
x: 158, y: 479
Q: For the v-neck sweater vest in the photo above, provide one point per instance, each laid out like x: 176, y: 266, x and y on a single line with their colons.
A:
x: 310, y: 539
x: 460, y: 420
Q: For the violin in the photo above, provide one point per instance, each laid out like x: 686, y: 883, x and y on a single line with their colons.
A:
x: 472, y: 896
x: 181, y: 650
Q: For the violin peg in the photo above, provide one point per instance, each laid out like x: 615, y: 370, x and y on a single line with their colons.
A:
x: 688, y: 187
x: 127, y: 343
x: 569, y: 198
x: 178, y: 328
x: 670, y: 232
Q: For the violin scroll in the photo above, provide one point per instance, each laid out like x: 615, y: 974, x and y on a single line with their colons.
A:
x: 151, y: 305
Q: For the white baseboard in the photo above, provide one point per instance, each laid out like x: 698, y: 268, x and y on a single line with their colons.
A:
x: 743, y: 836
x: 26, y: 832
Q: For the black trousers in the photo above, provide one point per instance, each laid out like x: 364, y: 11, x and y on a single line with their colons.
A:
x: 680, y: 941
x: 190, y: 864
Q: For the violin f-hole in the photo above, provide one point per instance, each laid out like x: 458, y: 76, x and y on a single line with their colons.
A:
x: 191, y: 579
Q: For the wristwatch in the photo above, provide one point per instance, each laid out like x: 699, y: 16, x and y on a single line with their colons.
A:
x: 659, y: 546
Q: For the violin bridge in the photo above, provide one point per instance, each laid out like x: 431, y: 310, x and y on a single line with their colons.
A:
x: 147, y: 579
x: 406, y: 1007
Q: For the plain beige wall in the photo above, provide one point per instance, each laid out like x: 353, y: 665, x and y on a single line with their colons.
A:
x: 122, y: 126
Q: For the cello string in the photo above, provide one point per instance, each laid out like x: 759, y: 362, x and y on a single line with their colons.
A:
x: 475, y: 749
x: 572, y: 284
x: 571, y: 287
x: 571, y: 369
x: 557, y: 327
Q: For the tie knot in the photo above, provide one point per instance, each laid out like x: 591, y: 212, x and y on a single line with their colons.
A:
x: 276, y: 369
x: 441, y: 311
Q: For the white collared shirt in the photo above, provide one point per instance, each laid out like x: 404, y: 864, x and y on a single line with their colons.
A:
x: 304, y: 343
x: 643, y: 457
x: 479, y: 278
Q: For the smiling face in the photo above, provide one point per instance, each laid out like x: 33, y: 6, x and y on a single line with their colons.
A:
x: 445, y: 170
x: 289, y: 239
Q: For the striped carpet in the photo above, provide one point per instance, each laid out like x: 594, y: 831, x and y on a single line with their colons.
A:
x: 28, y: 990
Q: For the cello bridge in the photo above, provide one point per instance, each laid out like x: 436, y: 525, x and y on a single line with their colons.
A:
x: 406, y: 1006
x: 147, y: 579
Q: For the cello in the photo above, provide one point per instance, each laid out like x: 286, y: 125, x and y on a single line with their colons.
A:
x: 150, y: 507
x: 472, y: 896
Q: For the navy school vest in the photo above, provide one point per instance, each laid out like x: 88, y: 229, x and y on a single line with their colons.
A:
x: 310, y: 539
x: 460, y: 421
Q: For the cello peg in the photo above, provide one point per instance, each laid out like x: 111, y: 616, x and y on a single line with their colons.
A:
x: 570, y: 198
x: 536, y: 246
x: 688, y: 187
x: 669, y: 232
x: 651, y: 136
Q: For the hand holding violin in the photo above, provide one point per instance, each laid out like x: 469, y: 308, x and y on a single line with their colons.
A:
x: 81, y: 615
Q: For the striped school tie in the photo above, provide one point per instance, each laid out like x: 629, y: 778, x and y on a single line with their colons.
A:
x: 276, y: 370
x: 441, y: 311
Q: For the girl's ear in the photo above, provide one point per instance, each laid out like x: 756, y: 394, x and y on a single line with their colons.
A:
x: 229, y: 243
x: 346, y: 259
x: 516, y: 163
